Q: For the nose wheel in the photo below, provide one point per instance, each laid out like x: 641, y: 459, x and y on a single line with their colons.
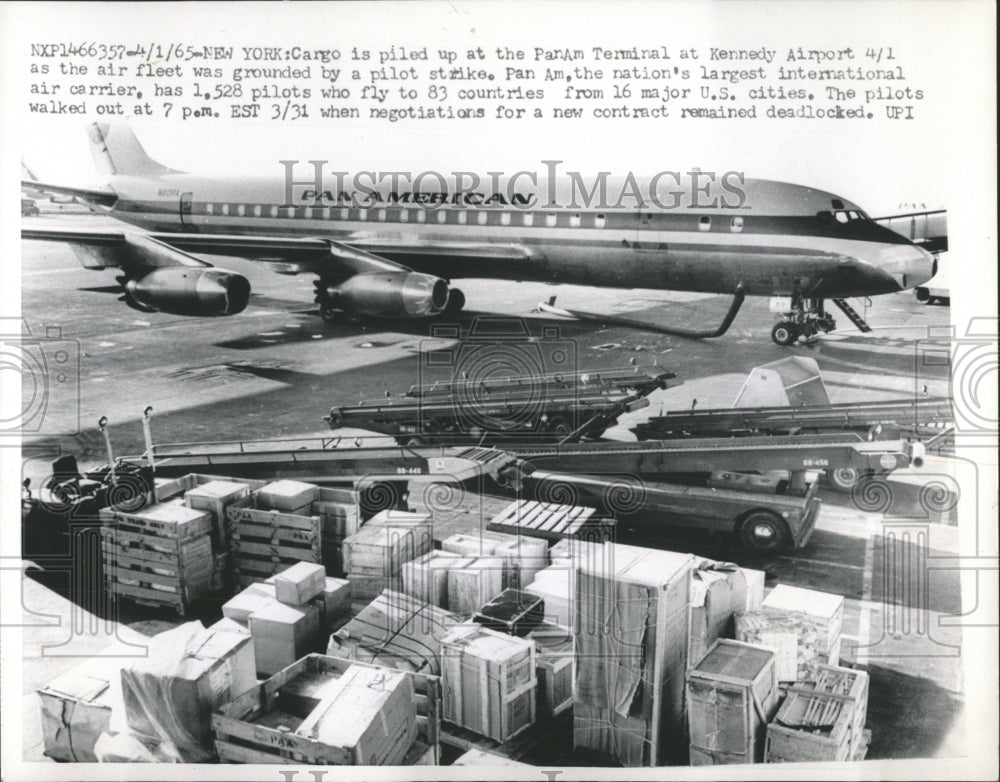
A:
x: 806, y: 319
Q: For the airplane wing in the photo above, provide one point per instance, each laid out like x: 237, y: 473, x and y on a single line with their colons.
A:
x: 315, y: 255
x: 99, y: 197
x: 368, y: 273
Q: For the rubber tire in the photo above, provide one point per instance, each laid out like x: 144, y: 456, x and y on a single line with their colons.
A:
x: 840, y: 479
x: 559, y: 425
x: 750, y: 540
x: 414, y: 440
x: 455, y: 303
x: 784, y: 334
x: 329, y: 313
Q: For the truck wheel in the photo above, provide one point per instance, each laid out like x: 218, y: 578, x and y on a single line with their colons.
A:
x: 843, y: 478
x: 763, y: 532
x: 560, y: 425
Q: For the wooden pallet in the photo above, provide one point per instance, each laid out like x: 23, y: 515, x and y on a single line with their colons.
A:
x: 545, y: 520
x: 242, y: 733
x: 518, y: 746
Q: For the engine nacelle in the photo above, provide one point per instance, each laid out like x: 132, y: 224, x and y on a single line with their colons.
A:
x: 391, y: 294
x: 187, y: 290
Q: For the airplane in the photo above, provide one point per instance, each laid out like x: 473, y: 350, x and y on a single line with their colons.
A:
x: 386, y: 251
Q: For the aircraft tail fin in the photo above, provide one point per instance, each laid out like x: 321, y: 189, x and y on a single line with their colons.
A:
x: 116, y: 150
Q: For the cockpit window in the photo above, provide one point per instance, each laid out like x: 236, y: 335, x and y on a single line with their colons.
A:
x: 842, y: 216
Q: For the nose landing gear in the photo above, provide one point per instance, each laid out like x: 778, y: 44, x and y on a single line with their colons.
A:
x: 806, y: 319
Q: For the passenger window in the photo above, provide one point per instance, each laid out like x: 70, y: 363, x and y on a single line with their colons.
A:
x: 256, y: 210
x: 421, y: 215
x: 404, y: 215
x: 363, y: 214
x: 482, y: 218
x: 736, y: 225
x: 443, y: 216
x: 505, y: 218
x: 704, y: 223
x: 326, y: 212
x: 599, y: 221
x: 381, y: 215
x: 551, y: 219
x: 463, y: 218
x: 225, y: 209
x: 574, y: 221
x: 241, y: 210
x: 274, y: 211
x: 529, y: 219
x: 841, y: 217
x: 209, y: 209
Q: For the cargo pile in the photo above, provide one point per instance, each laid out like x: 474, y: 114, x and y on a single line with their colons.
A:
x: 640, y: 657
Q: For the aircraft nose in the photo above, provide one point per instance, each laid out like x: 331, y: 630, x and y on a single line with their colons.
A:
x: 907, y: 265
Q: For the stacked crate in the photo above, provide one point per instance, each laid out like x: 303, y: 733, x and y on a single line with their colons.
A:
x: 488, y: 681
x: 339, y: 517
x: 554, y: 587
x: 554, y: 658
x: 374, y: 555
x: 265, y: 724
x: 512, y: 612
x: 718, y: 592
x: 825, y: 609
x: 161, y: 555
x: 426, y: 577
x: 397, y: 631
x: 731, y: 694
x: 802, y: 625
x: 631, y: 649
x: 522, y: 557
x: 274, y: 528
x: 213, y: 494
x: 474, y: 584
x: 822, y: 719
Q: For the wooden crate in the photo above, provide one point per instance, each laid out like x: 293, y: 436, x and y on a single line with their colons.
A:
x: 488, y: 681
x: 846, y: 683
x: 249, y: 729
x: 731, y: 695
x: 631, y: 606
x: 426, y: 577
x: 267, y: 541
x: 157, y: 570
x: 825, y: 609
x: 554, y: 665
x: 547, y: 520
x: 811, y: 726
x: 718, y: 592
x: 176, y: 487
x: 472, y: 586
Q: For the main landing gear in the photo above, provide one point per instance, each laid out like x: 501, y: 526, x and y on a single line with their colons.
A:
x: 806, y: 319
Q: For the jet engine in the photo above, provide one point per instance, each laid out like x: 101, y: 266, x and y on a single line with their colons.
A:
x: 389, y: 294
x: 188, y: 290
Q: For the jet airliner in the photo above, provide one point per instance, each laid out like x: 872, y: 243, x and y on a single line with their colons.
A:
x: 395, y: 252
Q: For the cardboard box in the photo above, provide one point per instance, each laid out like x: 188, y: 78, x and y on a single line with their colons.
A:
x: 214, y: 497
x: 335, y: 599
x: 282, y: 634
x: 190, y: 670
x: 75, y: 710
x: 367, y: 712
x: 300, y: 583
x: 718, y: 592
x: 288, y: 496
x: 253, y: 598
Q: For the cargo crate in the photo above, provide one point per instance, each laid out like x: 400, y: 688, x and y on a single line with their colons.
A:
x: 731, y: 695
x: 267, y: 541
x: 554, y: 658
x: 254, y: 729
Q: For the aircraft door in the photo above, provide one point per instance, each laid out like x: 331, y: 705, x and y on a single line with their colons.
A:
x: 185, y: 209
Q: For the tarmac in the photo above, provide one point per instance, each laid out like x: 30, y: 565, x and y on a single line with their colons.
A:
x: 274, y: 370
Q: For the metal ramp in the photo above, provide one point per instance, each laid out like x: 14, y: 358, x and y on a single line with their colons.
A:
x: 853, y: 315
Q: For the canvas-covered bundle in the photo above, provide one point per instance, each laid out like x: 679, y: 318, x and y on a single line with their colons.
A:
x: 798, y: 643
x: 189, y: 671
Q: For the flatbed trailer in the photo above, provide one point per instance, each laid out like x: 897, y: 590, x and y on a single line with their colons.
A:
x: 764, y: 523
x: 886, y: 419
